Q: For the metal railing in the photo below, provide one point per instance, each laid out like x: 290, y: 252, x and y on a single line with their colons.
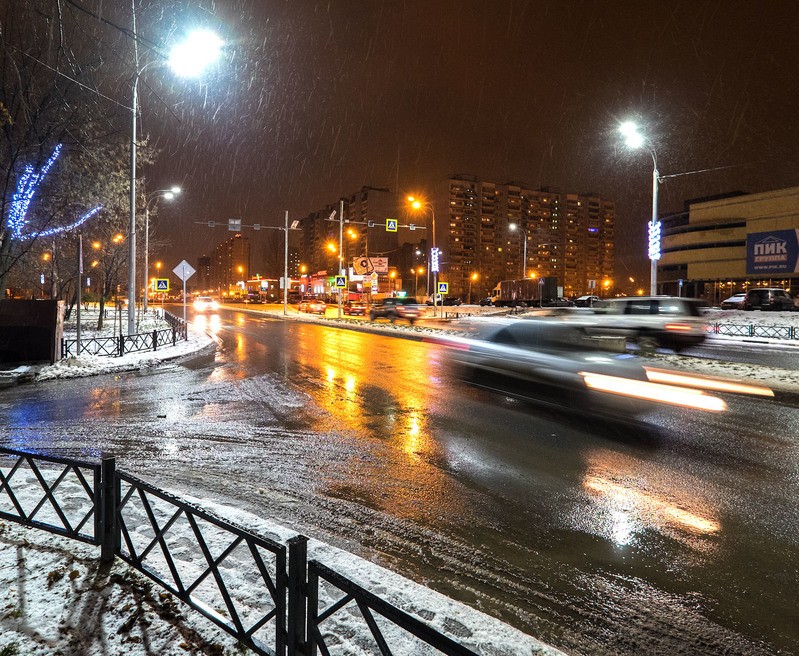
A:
x: 257, y: 590
x: 118, y: 345
x: 754, y: 330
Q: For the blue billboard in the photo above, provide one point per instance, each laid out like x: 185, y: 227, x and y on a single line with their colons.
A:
x: 774, y: 252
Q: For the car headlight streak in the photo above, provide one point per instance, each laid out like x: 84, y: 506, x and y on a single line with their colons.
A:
x: 657, y: 392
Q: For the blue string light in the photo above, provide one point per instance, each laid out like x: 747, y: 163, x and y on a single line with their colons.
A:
x: 27, y: 185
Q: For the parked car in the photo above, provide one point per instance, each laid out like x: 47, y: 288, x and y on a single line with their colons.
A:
x: 734, y: 302
x: 354, y: 308
x: 205, y: 304
x: 444, y: 300
x: 488, y: 300
x: 768, y: 298
x: 652, y: 321
x: 312, y: 306
x: 394, y: 308
x: 560, y: 364
x: 557, y: 302
x: 586, y: 301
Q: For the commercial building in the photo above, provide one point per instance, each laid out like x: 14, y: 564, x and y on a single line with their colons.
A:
x: 725, y: 244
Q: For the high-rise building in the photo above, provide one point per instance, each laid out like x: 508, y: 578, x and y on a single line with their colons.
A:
x: 569, y: 236
x: 202, y: 280
x: 230, y: 263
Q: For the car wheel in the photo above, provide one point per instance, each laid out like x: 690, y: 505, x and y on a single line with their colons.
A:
x: 372, y: 316
x: 412, y: 320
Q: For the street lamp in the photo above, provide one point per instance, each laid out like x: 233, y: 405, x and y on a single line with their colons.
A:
x: 634, y: 139
x: 187, y: 59
x: 433, y: 261
x: 153, y: 197
x: 514, y: 226
x: 472, y: 278
x: 416, y: 273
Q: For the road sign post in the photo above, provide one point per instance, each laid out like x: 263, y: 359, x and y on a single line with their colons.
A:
x: 184, y: 271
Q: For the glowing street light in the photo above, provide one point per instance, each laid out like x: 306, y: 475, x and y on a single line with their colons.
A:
x: 168, y: 194
x: 512, y: 227
x: 187, y: 59
x: 418, y: 204
x: 634, y: 139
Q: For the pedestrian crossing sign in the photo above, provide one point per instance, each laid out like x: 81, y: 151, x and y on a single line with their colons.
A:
x: 443, y: 288
x: 341, y: 281
x: 391, y: 225
x: 162, y: 284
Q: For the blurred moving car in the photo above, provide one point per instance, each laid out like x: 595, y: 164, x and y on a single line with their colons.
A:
x: 768, y: 298
x: 586, y: 301
x: 560, y: 364
x: 652, y: 321
x: 354, y: 308
x: 734, y: 302
x: 205, y: 304
x: 394, y: 308
x: 312, y: 306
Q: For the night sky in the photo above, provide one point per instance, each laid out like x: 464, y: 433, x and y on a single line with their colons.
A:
x: 315, y: 99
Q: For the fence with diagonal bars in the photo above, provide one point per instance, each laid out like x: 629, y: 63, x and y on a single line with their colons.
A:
x: 118, y: 345
x: 264, y: 593
x: 755, y: 330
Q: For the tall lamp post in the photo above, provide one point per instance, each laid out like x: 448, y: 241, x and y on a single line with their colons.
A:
x: 433, y: 261
x: 153, y: 197
x: 187, y: 59
x: 513, y: 227
x: 472, y: 278
x: 634, y: 139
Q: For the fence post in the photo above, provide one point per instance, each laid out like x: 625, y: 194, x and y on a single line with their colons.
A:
x: 107, y: 509
x: 298, y: 570
x: 121, y: 347
x: 174, y: 336
x: 155, y: 340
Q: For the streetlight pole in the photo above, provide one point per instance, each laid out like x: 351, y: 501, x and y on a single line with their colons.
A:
x: 434, y: 260
x: 515, y: 226
x: 169, y: 194
x: 634, y: 139
x: 186, y: 59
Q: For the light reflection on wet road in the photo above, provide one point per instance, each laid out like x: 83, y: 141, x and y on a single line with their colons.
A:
x: 676, y: 537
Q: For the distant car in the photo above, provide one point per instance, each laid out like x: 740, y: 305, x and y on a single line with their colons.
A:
x: 354, y: 308
x: 586, y: 301
x: 486, y: 301
x: 312, y: 306
x: 394, y: 308
x: 205, y: 304
x: 734, y: 302
x: 445, y: 300
x: 652, y: 321
x: 253, y: 298
x: 768, y: 298
x: 557, y: 302
x: 560, y: 364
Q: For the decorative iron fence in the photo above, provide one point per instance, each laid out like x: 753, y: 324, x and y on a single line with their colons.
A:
x: 755, y: 330
x: 119, y: 345
x: 265, y: 595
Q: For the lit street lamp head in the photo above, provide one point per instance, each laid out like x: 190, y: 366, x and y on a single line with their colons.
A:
x: 191, y: 57
x: 632, y: 137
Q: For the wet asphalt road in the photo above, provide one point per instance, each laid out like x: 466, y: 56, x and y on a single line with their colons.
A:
x: 676, y: 536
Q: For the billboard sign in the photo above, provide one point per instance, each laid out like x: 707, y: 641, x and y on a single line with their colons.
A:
x: 366, y: 265
x: 774, y: 252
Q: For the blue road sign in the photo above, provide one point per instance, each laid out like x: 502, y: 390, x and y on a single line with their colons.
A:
x: 391, y: 225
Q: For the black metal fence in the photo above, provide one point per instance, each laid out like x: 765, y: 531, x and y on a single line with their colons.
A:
x: 265, y: 594
x: 118, y: 345
x: 755, y: 330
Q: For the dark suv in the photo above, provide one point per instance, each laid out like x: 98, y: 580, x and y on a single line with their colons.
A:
x: 768, y: 298
x: 396, y: 308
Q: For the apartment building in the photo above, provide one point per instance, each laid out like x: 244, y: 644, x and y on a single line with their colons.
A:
x: 504, y: 231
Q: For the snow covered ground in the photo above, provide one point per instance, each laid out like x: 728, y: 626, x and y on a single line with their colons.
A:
x: 55, y: 598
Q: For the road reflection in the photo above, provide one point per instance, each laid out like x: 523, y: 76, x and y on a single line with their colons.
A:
x: 628, y: 502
